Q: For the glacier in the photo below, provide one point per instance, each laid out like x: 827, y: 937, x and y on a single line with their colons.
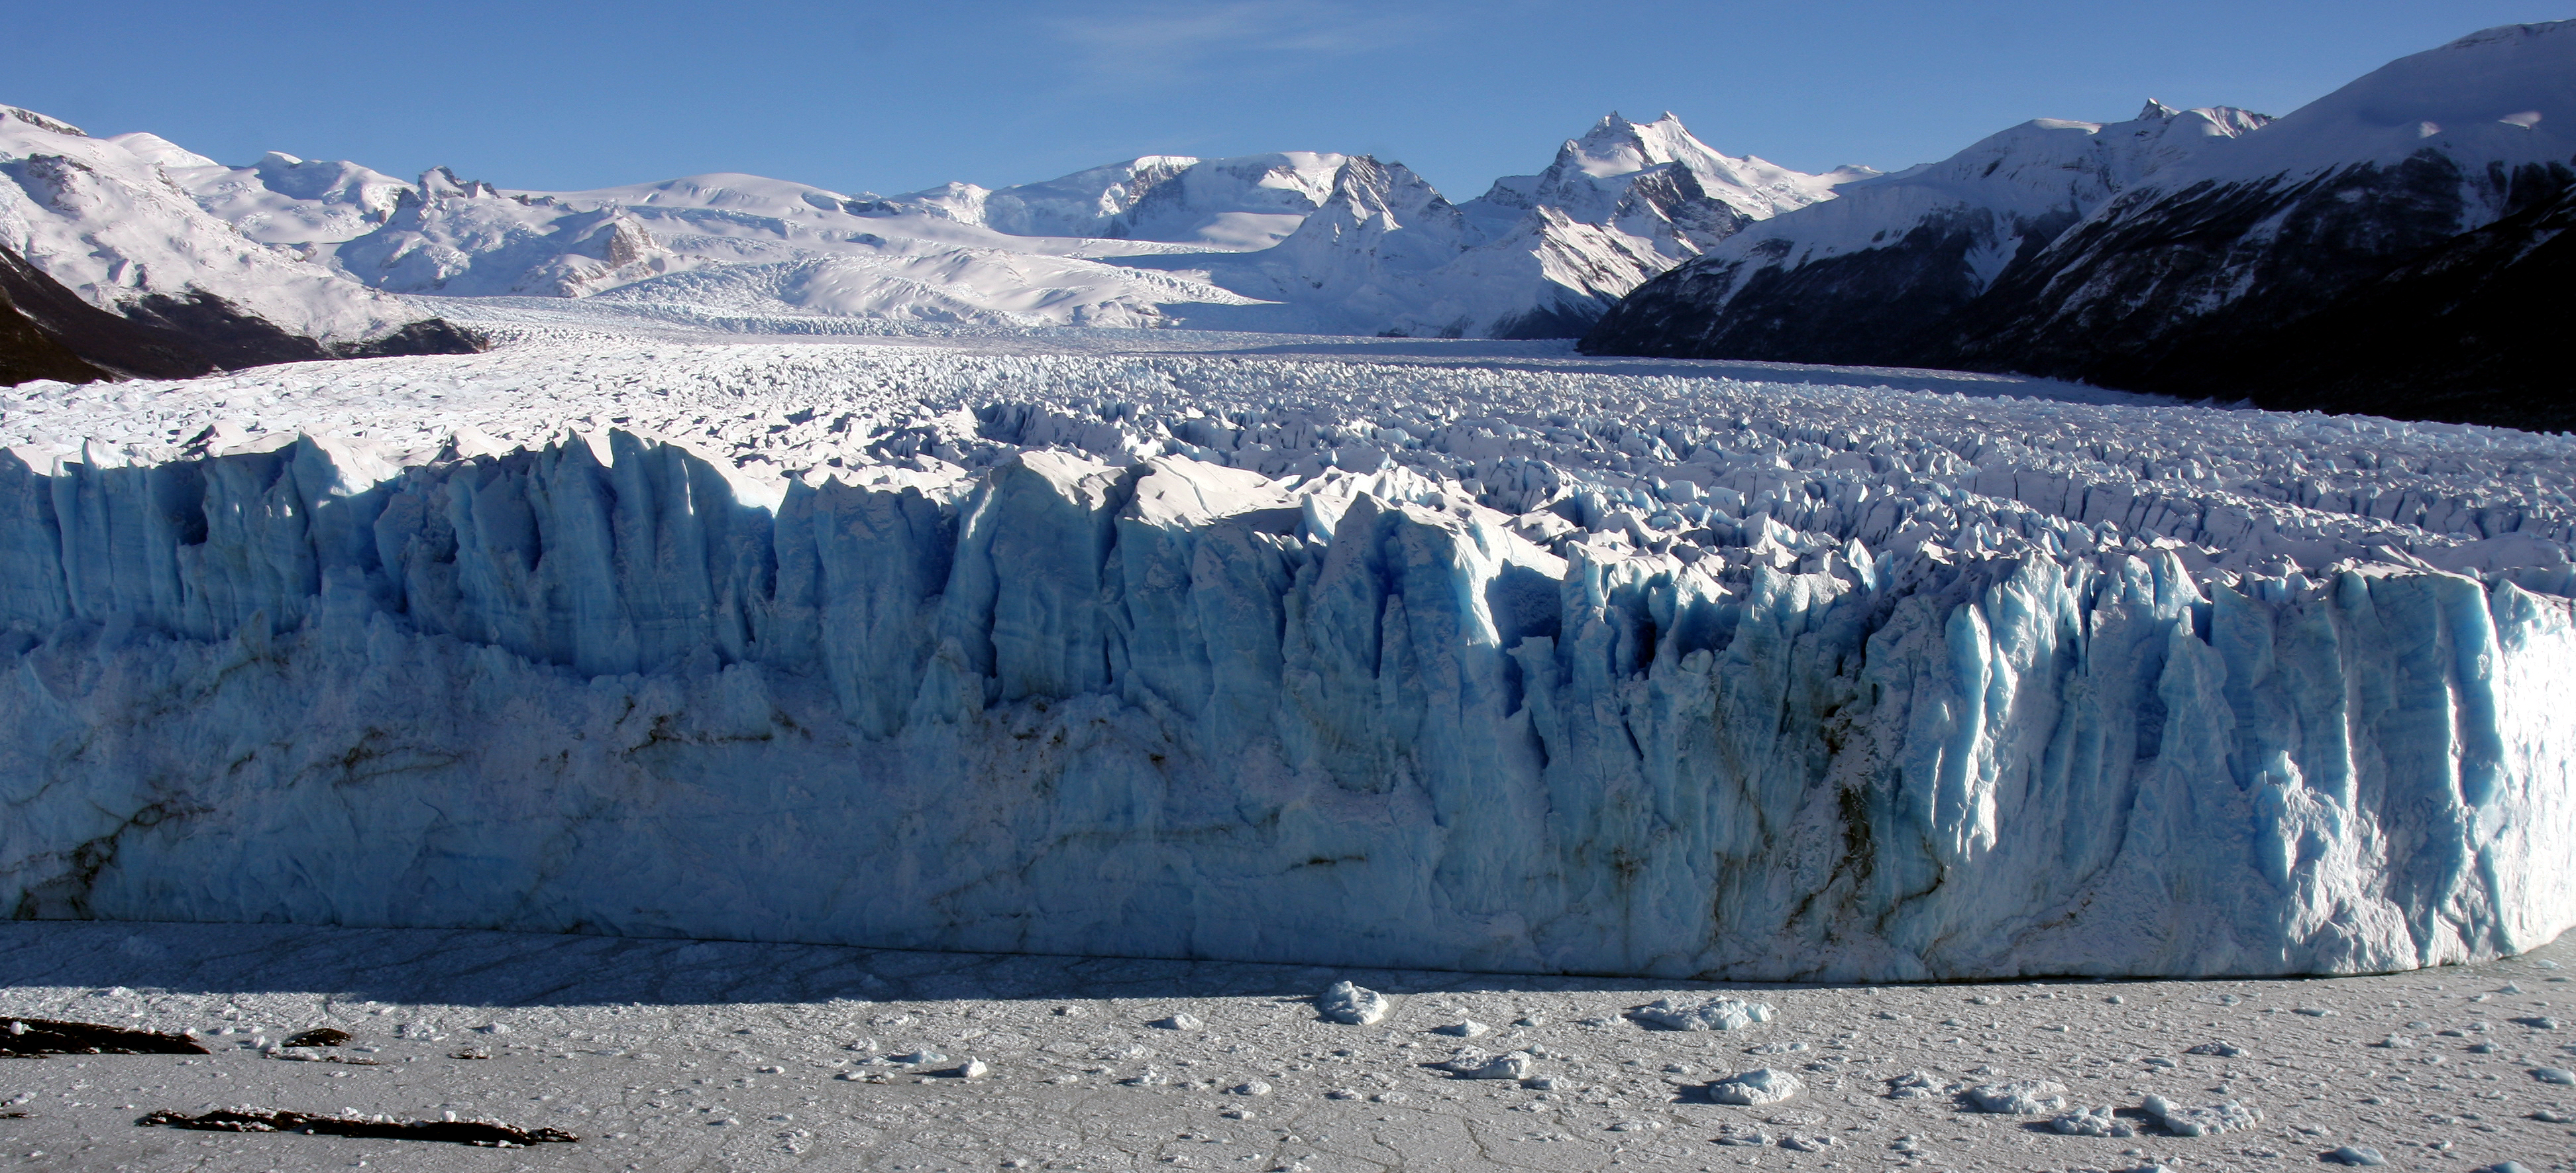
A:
x: 1395, y: 656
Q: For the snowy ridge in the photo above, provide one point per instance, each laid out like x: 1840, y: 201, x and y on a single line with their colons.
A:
x: 110, y: 225
x: 1249, y: 201
x: 1260, y: 658
x: 2209, y: 253
x: 1860, y: 278
x: 2501, y: 95
x: 2393, y: 167
x: 1338, y: 243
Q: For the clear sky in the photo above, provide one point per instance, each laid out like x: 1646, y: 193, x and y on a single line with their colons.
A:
x: 893, y: 97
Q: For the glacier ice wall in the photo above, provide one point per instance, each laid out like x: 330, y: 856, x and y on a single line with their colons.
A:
x: 1783, y: 699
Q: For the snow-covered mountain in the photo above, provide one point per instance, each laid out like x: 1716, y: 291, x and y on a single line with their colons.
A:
x: 1864, y: 278
x: 2193, y: 269
x: 1536, y: 256
x: 105, y: 222
x: 1296, y: 241
x: 2189, y: 282
x: 1247, y: 202
x: 725, y: 242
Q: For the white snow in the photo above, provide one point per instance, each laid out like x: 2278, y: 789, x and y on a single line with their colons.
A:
x: 1352, y: 654
x: 112, y: 225
x: 2490, y: 96
x: 1297, y: 241
x: 2036, y: 177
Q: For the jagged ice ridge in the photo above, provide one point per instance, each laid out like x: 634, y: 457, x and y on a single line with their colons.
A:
x: 1397, y: 663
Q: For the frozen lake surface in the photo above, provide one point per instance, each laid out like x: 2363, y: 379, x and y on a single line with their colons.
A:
x: 677, y: 1055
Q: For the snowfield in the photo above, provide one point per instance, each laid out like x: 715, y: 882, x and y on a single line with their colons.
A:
x: 1364, y: 652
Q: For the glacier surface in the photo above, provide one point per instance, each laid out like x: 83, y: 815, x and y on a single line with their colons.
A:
x: 1454, y: 658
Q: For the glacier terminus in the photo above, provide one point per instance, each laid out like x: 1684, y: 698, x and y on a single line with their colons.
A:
x: 1383, y: 652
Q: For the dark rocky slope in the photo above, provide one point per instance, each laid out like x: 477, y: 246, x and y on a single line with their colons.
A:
x: 2391, y: 248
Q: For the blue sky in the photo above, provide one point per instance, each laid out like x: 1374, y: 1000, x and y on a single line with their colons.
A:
x: 891, y: 97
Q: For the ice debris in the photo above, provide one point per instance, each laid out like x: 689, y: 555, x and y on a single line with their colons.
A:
x: 2222, y: 1049
x: 1762, y: 1085
x: 1742, y: 1136
x: 1181, y: 1021
x: 1353, y: 1004
x: 2356, y: 1155
x: 1920, y: 1085
x: 1472, y: 1063
x: 1714, y: 1014
x: 2019, y: 1097
x: 2184, y: 1120
x: 2102, y: 1121
x: 1466, y: 1030
x: 2553, y: 1075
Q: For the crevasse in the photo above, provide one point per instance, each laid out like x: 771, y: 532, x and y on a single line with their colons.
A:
x: 1173, y: 708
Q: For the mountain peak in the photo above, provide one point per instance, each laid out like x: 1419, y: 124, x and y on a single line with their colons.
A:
x: 2155, y: 109
x: 40, y: 122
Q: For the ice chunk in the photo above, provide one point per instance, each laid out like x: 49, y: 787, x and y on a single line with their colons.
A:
x: 1353, y: 1004
x: 2356, y: 1155
x: 2225, y: 1116
x: 1742, y: 1136
x: 1714, y: 1014
x: 1471, y: 1063
x: 2019, y: 1097
x: 2092, y: 1122
x: 2558, y: 1075
x: 1180, y: 1021
x: 1764, y: 1085
x: 1918, y: 1085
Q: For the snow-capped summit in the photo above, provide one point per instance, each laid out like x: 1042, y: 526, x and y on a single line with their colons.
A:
x: 1244, y: 202
x: 281, y: 199
x: 1592, y: 174
x: 1380, y: 219
x: 2505, y: 95
x: 1858, y: 276
x: 1538, y: 255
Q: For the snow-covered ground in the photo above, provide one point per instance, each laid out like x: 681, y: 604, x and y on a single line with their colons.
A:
x: 1365, y: 651
x: 676, y: 1055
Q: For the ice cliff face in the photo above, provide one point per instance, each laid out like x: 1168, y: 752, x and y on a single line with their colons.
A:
x: 1418, y: 665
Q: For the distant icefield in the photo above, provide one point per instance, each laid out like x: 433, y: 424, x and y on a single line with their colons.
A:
x: 1395, y: 653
